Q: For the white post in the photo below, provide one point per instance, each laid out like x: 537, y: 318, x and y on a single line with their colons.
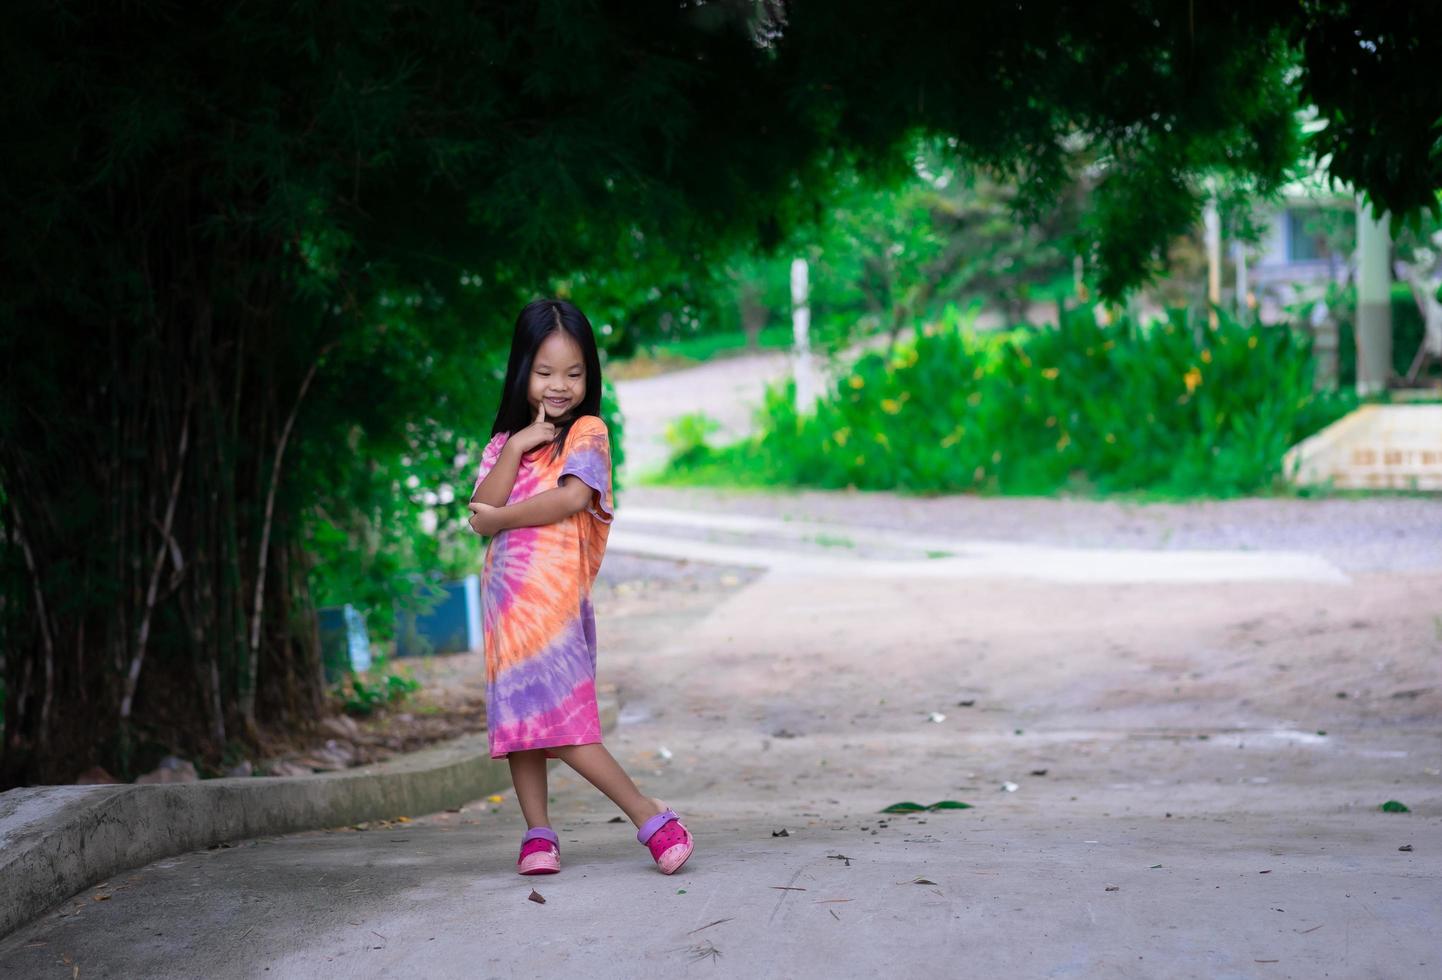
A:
x: 801, y: 332
x: 1374, y: 301
x: 1212, y: 223
x: 1239, y: 252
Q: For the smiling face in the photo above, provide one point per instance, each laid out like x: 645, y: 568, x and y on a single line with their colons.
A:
x: 558, y: 376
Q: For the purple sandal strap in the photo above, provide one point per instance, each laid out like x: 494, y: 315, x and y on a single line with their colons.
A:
x: 649, y: 828
x: 541, y: 833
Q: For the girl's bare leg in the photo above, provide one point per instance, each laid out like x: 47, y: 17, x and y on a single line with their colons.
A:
x: 528, y: 775
x: 602, y: 771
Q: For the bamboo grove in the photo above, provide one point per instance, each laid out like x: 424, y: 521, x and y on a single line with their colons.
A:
x: 258, y: 259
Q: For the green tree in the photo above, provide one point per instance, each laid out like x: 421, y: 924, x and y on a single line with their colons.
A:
x: 258, y: 255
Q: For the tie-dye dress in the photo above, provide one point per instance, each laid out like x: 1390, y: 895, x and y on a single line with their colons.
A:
x: 540, y: 632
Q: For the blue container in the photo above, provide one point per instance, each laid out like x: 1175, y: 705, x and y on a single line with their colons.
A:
x: 345, y: 646
x: 453, y: 626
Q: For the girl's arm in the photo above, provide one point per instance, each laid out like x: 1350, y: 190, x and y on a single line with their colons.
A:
x: 496, y: 488
x: 549, y: 507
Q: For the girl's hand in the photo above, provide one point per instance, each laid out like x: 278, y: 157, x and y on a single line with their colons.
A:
x: 485, y: 520
x: 538, y: 433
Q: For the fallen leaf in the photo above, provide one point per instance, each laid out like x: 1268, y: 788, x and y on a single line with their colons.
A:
x: 403, y: 819
x: 537, y: 897
x: 787, y: 888
x: 1394, y: 806
x: 102, y: 898
x: 1405, y: 847
x: 496, y: 798
x: 1156, y: 866
x: 830, y: 901
x: 834, y: 915
x: 783, y: 832
x: 843, y: 857
x: 1267, y: 872
x: 1038, y: 772
x: 1114, y: 888
x: 950, y: 805
x: 922, y: 881
x: 905, y: 806
x: 617, y: 820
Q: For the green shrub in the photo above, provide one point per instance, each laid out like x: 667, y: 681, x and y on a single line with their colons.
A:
x: 1170, y: 407
x: 382, y: 685
x: 686, y: 438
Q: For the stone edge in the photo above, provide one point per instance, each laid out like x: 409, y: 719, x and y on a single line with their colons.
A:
x: 105, y: 830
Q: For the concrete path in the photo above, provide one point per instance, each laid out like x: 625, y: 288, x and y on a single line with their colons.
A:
x: 1175, y: 779
x: 728, y: 390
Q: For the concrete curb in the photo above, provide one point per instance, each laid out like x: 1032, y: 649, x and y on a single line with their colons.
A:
x: 58, y: 840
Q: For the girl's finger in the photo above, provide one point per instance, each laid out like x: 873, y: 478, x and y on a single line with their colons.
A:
x: 476, y: 508
x: 540, y: 412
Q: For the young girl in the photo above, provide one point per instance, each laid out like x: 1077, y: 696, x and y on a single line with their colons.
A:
x: 544, y: 498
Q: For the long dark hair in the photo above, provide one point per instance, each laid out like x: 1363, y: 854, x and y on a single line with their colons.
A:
x: 537, y: 321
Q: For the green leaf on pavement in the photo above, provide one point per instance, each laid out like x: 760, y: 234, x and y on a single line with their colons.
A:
x: 1393, y: 806
x: 907, y: 806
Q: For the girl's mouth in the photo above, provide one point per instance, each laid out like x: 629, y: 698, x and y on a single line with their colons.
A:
x: 558, y: 402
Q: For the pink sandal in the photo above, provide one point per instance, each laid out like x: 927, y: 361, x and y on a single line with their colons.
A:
x: 668, y: 839
x: 540, y: 852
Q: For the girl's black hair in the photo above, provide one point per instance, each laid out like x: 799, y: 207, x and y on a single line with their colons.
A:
x: 537, y: 321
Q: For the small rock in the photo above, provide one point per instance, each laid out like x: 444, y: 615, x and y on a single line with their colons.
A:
x: 341, y: 749
x: 243, y: 770
x: 95, y: 776
x: 172, y: 769
x: 341, y: 726
x: 319, y: 762
x: 783, y: 832
x: 284, y: 767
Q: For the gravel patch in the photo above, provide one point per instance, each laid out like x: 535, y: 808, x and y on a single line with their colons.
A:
x: 1383, y: 533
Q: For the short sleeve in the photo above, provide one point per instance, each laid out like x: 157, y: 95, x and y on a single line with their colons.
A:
x: 489, y: 455
x: 588, y: 458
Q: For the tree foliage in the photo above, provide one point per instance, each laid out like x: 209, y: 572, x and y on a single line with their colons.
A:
x: 259, y: 260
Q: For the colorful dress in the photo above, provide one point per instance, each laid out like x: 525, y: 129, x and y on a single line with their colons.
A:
x: 539, y: 629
